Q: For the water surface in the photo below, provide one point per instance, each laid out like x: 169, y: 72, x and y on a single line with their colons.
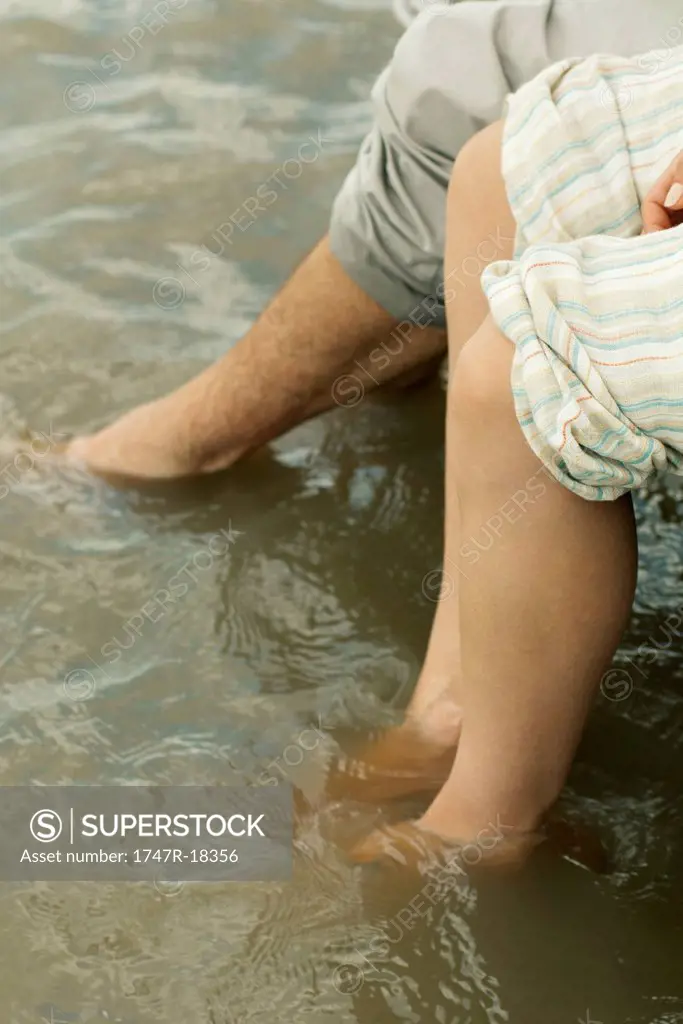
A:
x: 122, y: 152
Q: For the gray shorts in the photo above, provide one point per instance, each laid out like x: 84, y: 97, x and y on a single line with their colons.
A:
x: 449, y: 77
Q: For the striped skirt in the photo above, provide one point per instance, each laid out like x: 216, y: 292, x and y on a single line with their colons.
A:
x: 593, y: 307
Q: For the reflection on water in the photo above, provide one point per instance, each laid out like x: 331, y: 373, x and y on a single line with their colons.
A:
x: 163, y: 168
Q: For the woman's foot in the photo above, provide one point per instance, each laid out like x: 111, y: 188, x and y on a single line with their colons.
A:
x: 414, y: 845
x: 415, y: 757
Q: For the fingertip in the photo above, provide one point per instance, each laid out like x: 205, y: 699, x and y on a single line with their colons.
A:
x: 655, y: 219
x: 674, y: 197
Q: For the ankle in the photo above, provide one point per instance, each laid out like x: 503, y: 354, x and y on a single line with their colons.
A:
x: 435, y: 735
x: 438, y: 720
x: 195, y: 435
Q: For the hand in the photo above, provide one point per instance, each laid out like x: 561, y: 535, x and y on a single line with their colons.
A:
x: 150, y: 442
x: 663, y: 206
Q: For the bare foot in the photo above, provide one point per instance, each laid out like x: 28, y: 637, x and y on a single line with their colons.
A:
x: 23, y: 453
x: 415, y: 757
x: 415, y: 846
x: 143, y: 443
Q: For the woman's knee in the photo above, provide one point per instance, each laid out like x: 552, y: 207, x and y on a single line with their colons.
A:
x: 480, y: 389
x: 489, y: 444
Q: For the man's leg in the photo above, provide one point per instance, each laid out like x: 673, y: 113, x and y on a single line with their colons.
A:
x: 296, y: 361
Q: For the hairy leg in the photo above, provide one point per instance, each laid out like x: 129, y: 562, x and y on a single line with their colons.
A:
x: 294, y: 363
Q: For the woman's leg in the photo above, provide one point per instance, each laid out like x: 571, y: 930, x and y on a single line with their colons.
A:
x: 541, y: 612
x: 536, y: 633
x: 540, y: 606
x: 419, y: 754
x: 481, y: 230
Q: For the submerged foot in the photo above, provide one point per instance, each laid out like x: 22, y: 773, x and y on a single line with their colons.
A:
x: 414, y: 845
x: 415, y: 757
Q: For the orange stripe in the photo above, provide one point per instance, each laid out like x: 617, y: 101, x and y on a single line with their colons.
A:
x: 534, y: 266
x: 641, y: 359
x: 565, y: 439
x: 529, y: 358
x: 599, y: 337
x: 634, y: 270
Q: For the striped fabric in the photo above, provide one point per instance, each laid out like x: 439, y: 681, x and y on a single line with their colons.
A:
x: 594, y: 308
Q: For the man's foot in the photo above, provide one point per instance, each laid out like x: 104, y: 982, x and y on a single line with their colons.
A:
x: 151, y: 442
x: 415, y: 757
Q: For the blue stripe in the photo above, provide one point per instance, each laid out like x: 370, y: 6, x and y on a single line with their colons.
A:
x: 621, y: 345
x: 672, y: 239
x: 520, y: 127
x: 603, y: 76
x: 590, y: 140
x: 662, y: 243
x: 650, y: 403
x: 532, y: 256
x: 621, y: 154
x: 653, y: 311
x: 602, y: 230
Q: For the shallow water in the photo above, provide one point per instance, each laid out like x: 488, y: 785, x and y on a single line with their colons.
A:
x: 112, y: 180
